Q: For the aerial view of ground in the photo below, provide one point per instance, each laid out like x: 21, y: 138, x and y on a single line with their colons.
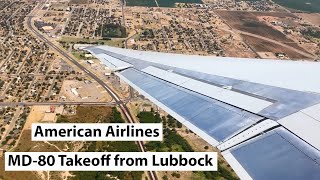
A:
x: 255, y: 25
x: 146, y: 3
x: 248, y: 22
x: 159, y: 3
x: 47, y: 77
x: 170, y: 3
x: 266, y: 46
x: 310, y: 17
x: 307, y: 6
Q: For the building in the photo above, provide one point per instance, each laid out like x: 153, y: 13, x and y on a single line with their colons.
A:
x: 90, y: 62
x: 52, y: 109
x: 47, y: 29
x: 88, y: 56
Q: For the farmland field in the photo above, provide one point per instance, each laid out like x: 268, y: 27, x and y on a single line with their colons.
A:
x: 248, y: 22
x: 114, y: 31
x: 147, y: 3
x: 79, y: 2
x: 161, y: 3
x: 170, y: 3
x: 301, y: 5
x: 313, y: 18
x: 260, y: 45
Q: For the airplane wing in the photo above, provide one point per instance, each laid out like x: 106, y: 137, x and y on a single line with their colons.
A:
x: 263, y: 115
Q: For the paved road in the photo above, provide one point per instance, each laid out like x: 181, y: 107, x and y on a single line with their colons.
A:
x: 126, y: 41
x: 152, y: 175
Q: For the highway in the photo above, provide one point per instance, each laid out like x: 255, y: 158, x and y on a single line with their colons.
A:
x: 152, y: 175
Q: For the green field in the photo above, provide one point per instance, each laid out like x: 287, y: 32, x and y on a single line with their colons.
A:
x: 114, y: 31
x: 301, y: 5
x: 66, y: 41
x: 162, y: 3
x: 147, y: 3
x: 170, y: 3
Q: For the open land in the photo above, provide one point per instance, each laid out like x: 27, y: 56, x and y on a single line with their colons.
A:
x: 269, y: 28
x: 310, y: 17
x: 298, y: 5
x: 260, y: 45
x: 159, y: 3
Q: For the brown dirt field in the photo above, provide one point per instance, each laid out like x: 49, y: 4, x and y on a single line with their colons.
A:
x: 260, y: 45
x: 313, y: 18
x: 296, y: 46
x: 90, y: 114
x: 79, y: 2
x: 235, y: 52
x: 248, y: 22
x: 36, y: 115
x: 267, y: 55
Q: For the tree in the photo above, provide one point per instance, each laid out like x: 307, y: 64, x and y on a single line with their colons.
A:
x: 174, y: 174
x: 8, y: 138
x: 165, y: 177
x: 164, y: 121
x: 179, y: 124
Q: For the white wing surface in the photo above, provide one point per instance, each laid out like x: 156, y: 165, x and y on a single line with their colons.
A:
x: 264, y: 115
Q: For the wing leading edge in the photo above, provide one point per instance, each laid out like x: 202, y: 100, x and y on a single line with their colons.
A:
x: 265, y: 125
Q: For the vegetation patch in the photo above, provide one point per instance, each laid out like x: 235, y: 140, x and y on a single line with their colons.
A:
x: 311, y: 32
x: 161, y: 3
x: 147, y: 33
x: 67, y: 42
x: 149, y: 117
x: 113, y: 31
x: 12, y: 175
x: 1, y: 83
x: 308, y: 6
x: 25, y: 145
x: 171, y: 3
x: 75, y: 40
x: 147, y: 3
x: 108, y: 146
